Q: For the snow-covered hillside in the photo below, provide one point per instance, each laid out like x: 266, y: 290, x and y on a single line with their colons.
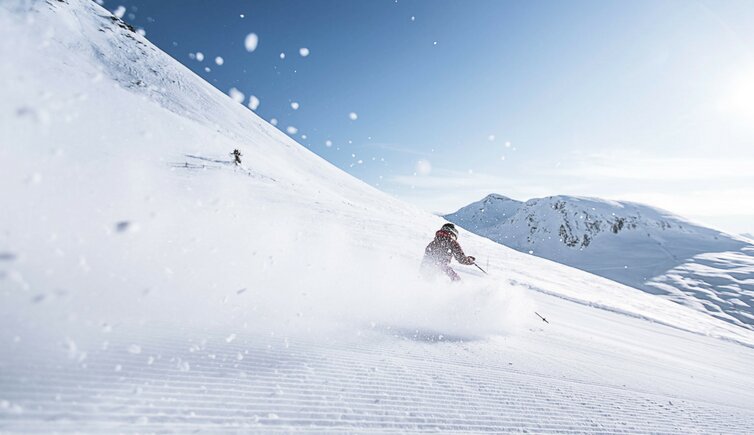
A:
x: 148, y: 284
x: 631, y: 243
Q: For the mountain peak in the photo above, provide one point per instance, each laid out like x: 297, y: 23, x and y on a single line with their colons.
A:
x: 634, y: 244
x: 496, y: 197
x: 487, y: 212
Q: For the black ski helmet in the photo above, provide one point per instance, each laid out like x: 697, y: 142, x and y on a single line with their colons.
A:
x: 450, y: 228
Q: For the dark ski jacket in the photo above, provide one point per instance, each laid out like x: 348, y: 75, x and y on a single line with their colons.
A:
x: 442, y: 249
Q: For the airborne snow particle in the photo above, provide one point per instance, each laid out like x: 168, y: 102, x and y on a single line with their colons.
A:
x: 253, y: 102
x: 423, y: 167
x: 531, y: 252
x: 282, y: 55
x: 353, y: 116
x: 434, y: 43
x: 134, y: 349
x: 291, y: 129
x: 303, y: 51
x: 219, y: 60
x: 295, y: 105
x: 7, y: 256
x: 413, y: 18
x: 303, y: 136
x: 199, y: 56
x: 236, y: 95
x: 242, y: 16
x: 141, y: 32
x: 502, y: 157
x: 491, y: 137
x: 251, y: 42
x: 123, y: 226
x: 274, y: 121
x: 207, y: 69
x: 328, y: 143
x: 119, y: 11
x: 507, y: 144
x: 230, y: 338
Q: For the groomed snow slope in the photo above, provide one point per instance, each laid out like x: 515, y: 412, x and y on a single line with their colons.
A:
x: 146, y: 284
x: 634, y: 244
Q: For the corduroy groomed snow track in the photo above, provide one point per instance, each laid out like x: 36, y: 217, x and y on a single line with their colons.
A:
x: 400, y: 381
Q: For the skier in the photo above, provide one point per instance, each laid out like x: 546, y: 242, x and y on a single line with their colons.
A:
x: 438, y: 253
x: 236, y: 156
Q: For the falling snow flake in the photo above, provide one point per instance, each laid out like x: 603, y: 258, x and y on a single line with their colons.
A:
x: 251, y: 42
x: 236, y: 95
x: 219, y: 60
x: 291, y: 129
x: 295, y: 105
x: 303, y: 51
x: 253, y: 102
x: 423, y: 167
x: 353, y: 116
x: 120, y: 11
x: 199, y: 56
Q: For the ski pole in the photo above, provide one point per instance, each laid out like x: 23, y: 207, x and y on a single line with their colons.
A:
x: 481, y: 269
x: 543, y: 319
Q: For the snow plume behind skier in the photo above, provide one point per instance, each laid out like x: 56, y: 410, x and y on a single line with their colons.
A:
x: 440, y: 251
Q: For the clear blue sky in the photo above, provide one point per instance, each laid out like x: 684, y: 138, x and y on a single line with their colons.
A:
x: 651, y: 101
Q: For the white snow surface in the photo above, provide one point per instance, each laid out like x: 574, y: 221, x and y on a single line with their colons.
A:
x: 634, y: 244
x: 147, y: 284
